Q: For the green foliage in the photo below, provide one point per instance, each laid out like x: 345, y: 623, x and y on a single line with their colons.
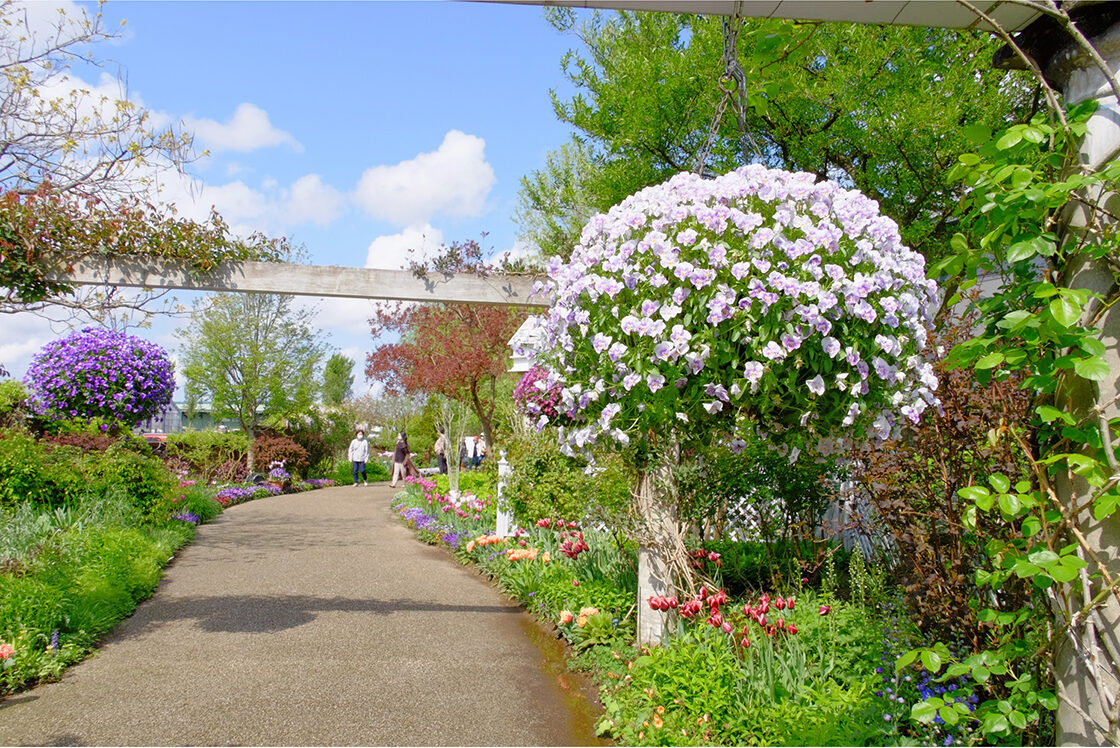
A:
x: 865, y: 102
x: 76, y: 571
x: 338, y: 379
x: 142, y: 478
x: 205, y: 452
x: 199, y: 500
x: 478, y: 482
x: 253, y: 356
x: 1042, y: 332
x: 30, y: 472
x: 546, y: 483
x: 13, y: 403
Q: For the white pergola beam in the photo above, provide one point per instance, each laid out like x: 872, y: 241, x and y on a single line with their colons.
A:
x: 936, y: 13
x: 308, y: 280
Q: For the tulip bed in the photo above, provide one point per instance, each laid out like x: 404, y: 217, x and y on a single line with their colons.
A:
x: 810, y: 665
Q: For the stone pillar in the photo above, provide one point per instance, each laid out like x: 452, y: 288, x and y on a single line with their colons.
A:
x: 1088, y: 681
x: 504, y: 515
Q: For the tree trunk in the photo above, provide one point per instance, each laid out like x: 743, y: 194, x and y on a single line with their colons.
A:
x: 662, y: 558
x: 251, y: 451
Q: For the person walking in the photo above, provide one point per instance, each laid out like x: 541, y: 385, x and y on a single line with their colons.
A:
x: 400, y: 457
x: 443, y: 446
x: 359, y: 455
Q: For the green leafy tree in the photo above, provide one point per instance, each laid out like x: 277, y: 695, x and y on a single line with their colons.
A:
x: 254, y: 356
x: 875, y: 108
x: 338, y: 379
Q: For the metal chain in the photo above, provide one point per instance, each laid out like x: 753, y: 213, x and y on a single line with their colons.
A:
x: 732, y: 81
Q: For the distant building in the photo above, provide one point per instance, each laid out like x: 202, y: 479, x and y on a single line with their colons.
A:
x: 167, y: 421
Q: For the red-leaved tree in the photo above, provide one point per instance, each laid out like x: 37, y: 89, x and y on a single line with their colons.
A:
x: 456, y: 350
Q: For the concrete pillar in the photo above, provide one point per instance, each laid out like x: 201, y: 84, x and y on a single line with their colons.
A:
x: 1086, y: 670
x: 659, y: 542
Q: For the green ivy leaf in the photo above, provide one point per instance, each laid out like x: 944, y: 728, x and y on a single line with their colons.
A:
x: 1093, y: 368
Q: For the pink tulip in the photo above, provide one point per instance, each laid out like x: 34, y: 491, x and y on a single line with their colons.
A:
x: 746, y: 642
x: 727, y: 627
x: 789, y: 603
x: 780, y: 604
x: 825, y: 610
x: 791, y: 629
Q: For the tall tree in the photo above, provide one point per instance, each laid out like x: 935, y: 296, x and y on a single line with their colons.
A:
x: 455, y: 350
x: 875, y: 108
x: 338, y: 379
x: 254, y: 356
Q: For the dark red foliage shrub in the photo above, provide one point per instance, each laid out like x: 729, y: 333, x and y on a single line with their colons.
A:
x: 271, y: 449
x: 913, y: 487
x: 231, y: 471
x: 314, y: 443
x: 84, y: 441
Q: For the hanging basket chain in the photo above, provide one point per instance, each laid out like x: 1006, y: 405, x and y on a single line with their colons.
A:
x: 733, y: 84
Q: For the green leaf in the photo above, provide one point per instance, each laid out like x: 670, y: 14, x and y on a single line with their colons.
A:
x: 1010, y: 138
x: 931, y: 660
x: 969, y: 159
x: 950, y: 715
x: 980, y: 674
x: 1044, y: 558
x: 1048, y: 700
x: 990, y: 361
x: 1017, y: 720
x: 906, y: 659
x: 1094, y: 368
x: 1105, y: 505
x: 1000, y: 482
x: 1009, y: 504
x: 1049, y: 414
x: 923, y: 712
x: 1065, y: 310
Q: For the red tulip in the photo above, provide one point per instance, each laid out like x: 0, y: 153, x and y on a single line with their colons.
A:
x: 746, y: 642
x: 781, y: 623
x: 727, y: 627
x: 825, y: 610
x: 791, y: 629
x: 789, y: 603
x: 780, y: 604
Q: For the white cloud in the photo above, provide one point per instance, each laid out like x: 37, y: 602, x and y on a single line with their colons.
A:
x: 455, y: 180
x: 248, y: 130
x: 521, y: 250
x: 394, y: 251
x: 271, y: 208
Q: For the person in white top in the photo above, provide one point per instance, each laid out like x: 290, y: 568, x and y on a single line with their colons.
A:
x: 359, y: 455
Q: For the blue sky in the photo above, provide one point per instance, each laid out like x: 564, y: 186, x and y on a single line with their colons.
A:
x: 357, y: 129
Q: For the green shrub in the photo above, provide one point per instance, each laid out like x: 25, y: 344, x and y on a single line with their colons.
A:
x: 207, y: 451
x: 199, y: 500
x: 29, y: 472
x: 545, y: 483
x: 143, y: 479
x: 13, y: 403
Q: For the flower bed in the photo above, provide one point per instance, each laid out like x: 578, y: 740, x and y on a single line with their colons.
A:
x: 798, y: 666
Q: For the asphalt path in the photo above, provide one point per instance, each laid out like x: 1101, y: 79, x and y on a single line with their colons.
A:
x: 314, y: 619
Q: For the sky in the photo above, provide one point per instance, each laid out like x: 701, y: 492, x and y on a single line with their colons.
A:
x: 358, y: 130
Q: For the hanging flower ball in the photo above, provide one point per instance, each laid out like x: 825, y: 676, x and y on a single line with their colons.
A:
x: 99, y: 373
x: 760, y: 297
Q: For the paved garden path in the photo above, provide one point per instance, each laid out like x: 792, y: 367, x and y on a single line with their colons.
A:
x: 313, y: 619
